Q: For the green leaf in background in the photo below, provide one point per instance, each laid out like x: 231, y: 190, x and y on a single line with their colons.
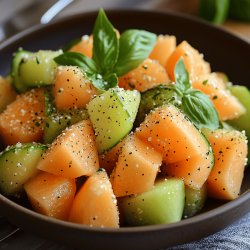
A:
x: 135, y: 46
x: 77, y: 59
x: 215, y: 11
x: 200, y: 110
x: 240, y: 9
x: 181, y: 76
x: 106, y: 43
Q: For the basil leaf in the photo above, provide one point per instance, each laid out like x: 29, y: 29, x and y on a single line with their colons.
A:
x: 200, y: 110
x: 104, y: 83
x: 135, y: 46
x: 77, y: 59
x: 181, y: 75
x: 111, y: 80
x: 106, y: 44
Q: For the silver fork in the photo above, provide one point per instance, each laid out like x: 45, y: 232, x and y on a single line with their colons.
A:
x: 7, y: 230
x: 22, y: 20
x: 38, y: 11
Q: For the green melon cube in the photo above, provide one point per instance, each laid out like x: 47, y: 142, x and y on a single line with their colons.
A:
x: 161, y: 205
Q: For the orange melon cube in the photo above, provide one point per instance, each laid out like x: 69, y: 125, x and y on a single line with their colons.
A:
x: 7, y: 92
x: 136, y: 168
x: 169, y: 131
x: 85, y: 46
x: 230, y: 150
x: 227, y: 105
x: 163, y: 48
x: 108, y: 159
x: 147, y: 75
x: 51, y: 195
x: 95, y: 204
x: 23, y: 119
x: 193, y: 171
x: 73, y: 153
x: 72, y: 89
x: 193, y: 60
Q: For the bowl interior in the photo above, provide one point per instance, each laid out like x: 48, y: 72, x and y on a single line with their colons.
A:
x: 224, y: 51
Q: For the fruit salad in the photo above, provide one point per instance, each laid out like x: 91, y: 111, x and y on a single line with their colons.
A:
x: 121, y: 128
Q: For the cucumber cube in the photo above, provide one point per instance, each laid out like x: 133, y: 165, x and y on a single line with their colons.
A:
x: 243, y: 95
x: 194, y: 201
x: 38, y: 68
x: 112, y: 115
x: 161, y: 205
x: 17, y: 165
x: 57, y: 121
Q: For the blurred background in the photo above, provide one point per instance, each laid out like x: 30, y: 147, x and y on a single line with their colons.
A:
x: 16, y: 15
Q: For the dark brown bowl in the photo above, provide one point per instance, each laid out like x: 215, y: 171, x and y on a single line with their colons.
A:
x: 224, y: 51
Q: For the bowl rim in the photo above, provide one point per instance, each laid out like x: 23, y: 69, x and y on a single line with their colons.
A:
x: 110, y: 11
x: 243, y: 198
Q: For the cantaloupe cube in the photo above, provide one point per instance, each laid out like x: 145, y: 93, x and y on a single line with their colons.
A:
x: 163, y: 48
x: 85, y: 46
x: 169, y: 131
x: 95, y: 204
x: 147, y: 75
x: 136, y: 168
x: 194, y: 171
x: 7, y: 92
x: 72, y: 88
x: 230, y: 150
x: 73, y: 153
x: 51, y: 195
x: 23, y: 119
x: 226, y: 104
x: 186, y: 152
x: 193, y: 60
x: 109, y: 159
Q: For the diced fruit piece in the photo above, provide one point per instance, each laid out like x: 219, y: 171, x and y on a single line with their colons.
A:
x: 17, y: 165
x: 161, y: 205
x: 243, y: 95
x: 136, y: 168
x: 146, y: 76
x: 186, y: 152
x: 38, y: 69
x: 248, y: 156
x: 23, y: 119
x: 72, y: 88
x: 112, y: 115
x: 51, y: 195
x: 227, y: 105
x: 193, y: 61
x: 56, y: 121
x: 7, y: 93
x: 73, y: 153
x: 194, y: 170
x: 194, y: 200
x: 163, y: 48
x: 19, y: 57
x: 168, y: 130
x: 154, y: 98
x: 95, y: 204
x: 84, y: 46
x: 109, y: 159
x: 230, y: 151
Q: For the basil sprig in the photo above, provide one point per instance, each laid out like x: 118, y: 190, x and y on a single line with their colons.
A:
x: 196, y: 105
x: 112, y: 56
